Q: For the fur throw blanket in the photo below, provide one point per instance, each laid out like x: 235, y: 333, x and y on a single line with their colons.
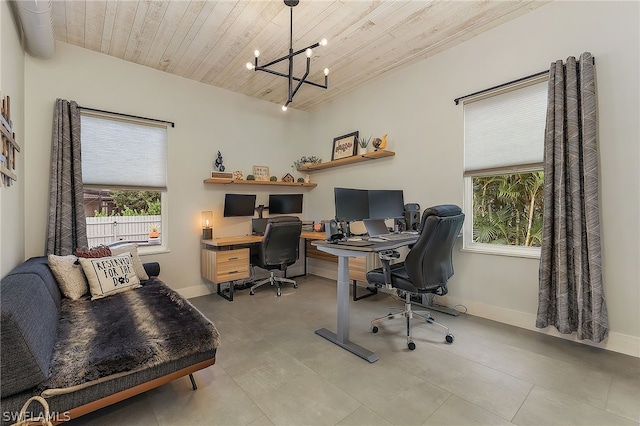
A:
x: 123, y: 333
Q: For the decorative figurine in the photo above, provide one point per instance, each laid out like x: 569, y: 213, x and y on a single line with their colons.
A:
x: 380, y: 143
x: 218, y: 163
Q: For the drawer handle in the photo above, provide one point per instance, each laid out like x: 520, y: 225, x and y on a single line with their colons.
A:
x: 233, y: 272
x: 233, y: 258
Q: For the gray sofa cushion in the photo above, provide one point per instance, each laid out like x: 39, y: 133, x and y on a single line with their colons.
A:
x: 40, y: 266
x: 27, y: 331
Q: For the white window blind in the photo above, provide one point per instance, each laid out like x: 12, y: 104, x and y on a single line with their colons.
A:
x: 121, y: 153
x: 505, y: 130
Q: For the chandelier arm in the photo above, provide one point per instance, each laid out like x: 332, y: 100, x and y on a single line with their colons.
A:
x: 295, y: 78
x: 302, y: 80
x: 275, y: 61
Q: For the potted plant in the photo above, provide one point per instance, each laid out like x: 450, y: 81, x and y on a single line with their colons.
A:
x: 154, y: 230
x: 304, y: 160
x: 363, y: 143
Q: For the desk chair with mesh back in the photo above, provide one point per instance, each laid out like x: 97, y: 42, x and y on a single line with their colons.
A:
x: 278, y: 249
x: 427, y: 267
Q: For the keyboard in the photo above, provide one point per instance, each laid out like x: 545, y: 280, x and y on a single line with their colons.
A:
x: 395, y: 237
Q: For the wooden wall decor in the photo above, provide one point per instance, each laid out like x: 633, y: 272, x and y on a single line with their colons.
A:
x: 10, y: 147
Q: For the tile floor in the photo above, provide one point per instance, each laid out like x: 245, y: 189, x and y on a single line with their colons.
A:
x: 273, y: 370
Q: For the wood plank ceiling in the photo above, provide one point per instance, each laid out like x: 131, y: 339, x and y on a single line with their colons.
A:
x: 211, y: 41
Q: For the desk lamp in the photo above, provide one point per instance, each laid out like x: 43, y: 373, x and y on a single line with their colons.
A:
x: 207, y: 222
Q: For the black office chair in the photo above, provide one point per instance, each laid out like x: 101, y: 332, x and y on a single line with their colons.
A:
x: 426, y: 268
x: 279, y: 249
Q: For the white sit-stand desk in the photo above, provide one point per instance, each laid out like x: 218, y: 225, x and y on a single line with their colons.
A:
x: 344, y: 252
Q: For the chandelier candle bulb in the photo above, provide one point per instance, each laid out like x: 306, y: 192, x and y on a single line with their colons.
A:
x: 323, y: 42
x: 309, y: 53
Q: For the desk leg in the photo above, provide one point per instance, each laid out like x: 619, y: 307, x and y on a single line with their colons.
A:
x: 341, y: 338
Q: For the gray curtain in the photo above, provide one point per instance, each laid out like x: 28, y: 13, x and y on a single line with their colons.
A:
x: 571, y: 294
x: 67, y: 227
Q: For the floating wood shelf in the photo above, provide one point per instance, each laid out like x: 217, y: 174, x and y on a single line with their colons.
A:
x: 222, y: 181
x: 9, y: 147
x: 348, y: 160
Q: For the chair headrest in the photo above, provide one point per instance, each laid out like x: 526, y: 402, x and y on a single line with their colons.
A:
x: 443, y: 210
x: 281, y: 219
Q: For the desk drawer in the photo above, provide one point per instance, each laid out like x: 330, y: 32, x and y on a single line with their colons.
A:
x: 226, y: 265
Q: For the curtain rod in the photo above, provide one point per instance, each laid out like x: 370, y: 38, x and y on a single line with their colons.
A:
x: 499, y: 86
x: 128, y: 115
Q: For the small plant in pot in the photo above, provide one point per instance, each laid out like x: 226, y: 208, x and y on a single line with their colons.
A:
x: 363, y: 143
x: 154, y: 231
x: 304, y: 160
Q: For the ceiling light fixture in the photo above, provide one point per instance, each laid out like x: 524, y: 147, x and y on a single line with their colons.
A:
x: 307, y: 50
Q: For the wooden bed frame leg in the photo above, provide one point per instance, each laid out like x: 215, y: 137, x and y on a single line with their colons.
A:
x: 193, y: 382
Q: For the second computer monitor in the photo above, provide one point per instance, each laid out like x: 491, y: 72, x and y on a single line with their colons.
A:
x: 285, y: 203
x: 386, y: 204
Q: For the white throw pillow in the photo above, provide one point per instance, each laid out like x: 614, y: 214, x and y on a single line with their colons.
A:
x: 110, y: 275
x: 69, y: 276
x: 137, y: 263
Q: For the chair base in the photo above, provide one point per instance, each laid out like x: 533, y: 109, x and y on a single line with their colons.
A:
x: 408, y: 313
x: 274, y: 281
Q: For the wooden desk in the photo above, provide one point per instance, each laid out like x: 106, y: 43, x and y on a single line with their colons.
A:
x: 226, y: 259
x: 344, y: 252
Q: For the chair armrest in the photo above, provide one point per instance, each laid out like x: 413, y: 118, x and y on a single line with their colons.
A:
x: 152, y: 268
x: 385, y: 258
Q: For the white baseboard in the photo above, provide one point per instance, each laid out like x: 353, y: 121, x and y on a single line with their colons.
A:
x: 616, y: 342
x: 195, y: 291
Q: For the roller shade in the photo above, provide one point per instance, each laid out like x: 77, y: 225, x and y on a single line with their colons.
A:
x: 505, y: 130
x: 121, y: 153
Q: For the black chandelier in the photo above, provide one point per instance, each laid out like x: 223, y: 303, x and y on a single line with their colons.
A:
x: 290, y: 56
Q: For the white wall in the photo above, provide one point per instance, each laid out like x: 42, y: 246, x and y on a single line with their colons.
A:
x: 415, y: 107
x: 12, y: 198
x: 208, y: 119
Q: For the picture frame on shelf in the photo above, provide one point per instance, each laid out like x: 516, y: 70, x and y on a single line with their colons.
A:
x: 344, y: 146
x: 261, y: 173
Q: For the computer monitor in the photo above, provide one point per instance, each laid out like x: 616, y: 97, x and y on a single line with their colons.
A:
x: 386, y: 204
x: 239, y: 205
x: 285, y: 203
x: 351, y: 204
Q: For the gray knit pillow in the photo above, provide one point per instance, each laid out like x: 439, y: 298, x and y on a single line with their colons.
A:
x: 69, y: 275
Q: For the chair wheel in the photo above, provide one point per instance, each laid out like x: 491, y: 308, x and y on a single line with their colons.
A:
x: 411, y: 346
x: 295, y: 286
x: 449, y: 338
x: 374, y: 329
x: 278, y: 293
x: 390, y: 316
x: 252, y: 292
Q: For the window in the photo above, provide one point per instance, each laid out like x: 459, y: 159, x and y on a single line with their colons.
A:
x: 124, y: 169
x: 504, y: 146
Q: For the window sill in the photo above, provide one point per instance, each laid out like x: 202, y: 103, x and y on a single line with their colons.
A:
x: 150, y: 250
x: 501, y: 250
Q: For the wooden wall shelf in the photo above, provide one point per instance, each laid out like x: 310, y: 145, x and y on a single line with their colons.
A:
x: 348, y: 160
x: 9, y: 147
x: 222, y: 181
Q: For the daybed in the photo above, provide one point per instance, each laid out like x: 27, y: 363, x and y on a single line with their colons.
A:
x: 84, y: 354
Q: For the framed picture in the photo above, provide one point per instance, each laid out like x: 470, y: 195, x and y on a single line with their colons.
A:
x: 344, y: 146
x: 261, y: 172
